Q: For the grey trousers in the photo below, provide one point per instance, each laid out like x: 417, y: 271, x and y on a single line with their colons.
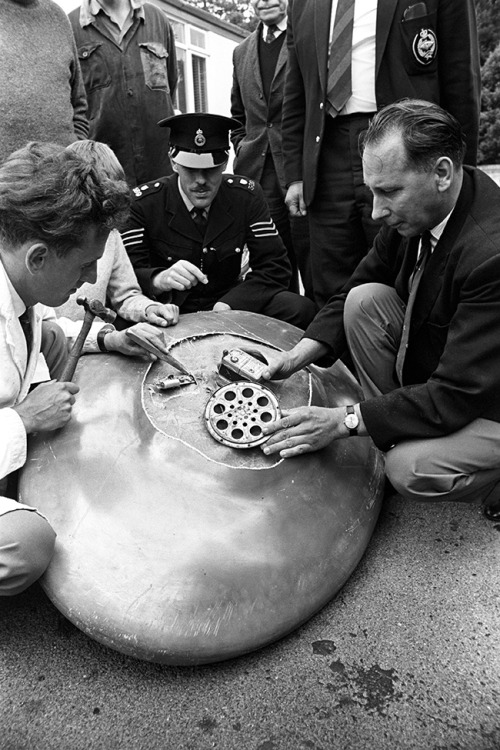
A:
x: 463, y: 466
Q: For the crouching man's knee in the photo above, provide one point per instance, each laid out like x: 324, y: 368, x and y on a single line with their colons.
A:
x: 26, y: 548
x: 414, y: 473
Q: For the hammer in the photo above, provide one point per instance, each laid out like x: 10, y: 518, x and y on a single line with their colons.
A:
x: 93, y: 309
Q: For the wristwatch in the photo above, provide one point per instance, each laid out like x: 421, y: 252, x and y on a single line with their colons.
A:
x: 351, y: 421
x: 108, y: 328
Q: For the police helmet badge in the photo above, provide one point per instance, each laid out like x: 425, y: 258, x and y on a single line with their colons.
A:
x: 425, y: 46
x: 199, y: 139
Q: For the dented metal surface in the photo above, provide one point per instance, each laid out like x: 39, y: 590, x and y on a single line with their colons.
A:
x: 175, y: 548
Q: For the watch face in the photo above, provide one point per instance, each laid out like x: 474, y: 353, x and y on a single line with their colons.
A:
x: 351, y: 421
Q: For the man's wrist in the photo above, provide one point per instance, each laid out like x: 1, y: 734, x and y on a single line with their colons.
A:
x: 101, y: 336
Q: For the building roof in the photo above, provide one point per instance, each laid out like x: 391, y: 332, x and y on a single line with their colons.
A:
x: 203, y: 17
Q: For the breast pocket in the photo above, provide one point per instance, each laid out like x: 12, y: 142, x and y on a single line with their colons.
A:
x: 420, y: 44
x: 94, y: 67
x: 154, y: 64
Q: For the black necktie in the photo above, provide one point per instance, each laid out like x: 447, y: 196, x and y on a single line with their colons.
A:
x: 271, y: 30
x: 199, y: 218
x: 414, y: 282
x: 25, y: 322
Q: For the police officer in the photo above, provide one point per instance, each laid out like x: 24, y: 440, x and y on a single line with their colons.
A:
x: 205, y: 240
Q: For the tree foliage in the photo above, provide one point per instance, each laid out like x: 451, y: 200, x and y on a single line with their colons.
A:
x: 233, y: 11
x: 488, y: 22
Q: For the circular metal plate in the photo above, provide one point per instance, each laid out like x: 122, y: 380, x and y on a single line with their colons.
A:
x: 236, y: 413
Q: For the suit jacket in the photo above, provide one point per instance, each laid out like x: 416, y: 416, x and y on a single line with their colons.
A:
x: 451, y: 79
x: 161, y: 231
x: 451, y: 372
x: 260, y: 119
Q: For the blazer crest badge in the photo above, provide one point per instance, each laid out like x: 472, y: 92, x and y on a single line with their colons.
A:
x: 425, y: 46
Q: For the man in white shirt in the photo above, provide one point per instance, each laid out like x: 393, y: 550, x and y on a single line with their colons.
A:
x: 56, y: 213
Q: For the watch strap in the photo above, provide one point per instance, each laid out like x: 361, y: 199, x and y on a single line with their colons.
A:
x: 108, y: 328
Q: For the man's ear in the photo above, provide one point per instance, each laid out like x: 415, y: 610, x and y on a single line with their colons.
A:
x: 445, y: 171
x: 36, y: 257
x: 174, y: 165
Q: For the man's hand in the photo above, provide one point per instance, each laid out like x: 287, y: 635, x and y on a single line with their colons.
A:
x: 303, y: 430
x: 182, y: 275
x: 284, y: 364
x: 118, y: 341
x: 162, y: 315
x: 295, y: 199
x: 221, y: 307
x: 47, y: 407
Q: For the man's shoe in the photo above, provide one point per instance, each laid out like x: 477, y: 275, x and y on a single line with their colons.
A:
x: 492, y: 512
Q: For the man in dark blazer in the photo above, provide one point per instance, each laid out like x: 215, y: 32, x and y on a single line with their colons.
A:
x: 259, y: 65
x: 427, y: 50
x: 205, y: 240
x: 419, y: 316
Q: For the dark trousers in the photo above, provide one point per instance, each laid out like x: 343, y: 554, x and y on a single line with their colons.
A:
x: 340, y: 224
x: 291, y: 308
x: 294, y: 231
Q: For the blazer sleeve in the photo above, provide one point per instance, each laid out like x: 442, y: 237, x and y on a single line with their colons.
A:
x: 237, y: 108
x: 294, y: 107
x: 459, y: 69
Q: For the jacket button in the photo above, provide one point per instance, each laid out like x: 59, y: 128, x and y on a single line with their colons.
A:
x: 321, y: 105
x: 317, y: 139
x: 130, y: 92
x: 85, y: 54
x: 269, y: 124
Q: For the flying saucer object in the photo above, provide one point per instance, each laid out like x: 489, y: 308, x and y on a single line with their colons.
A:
x: 179, y: 548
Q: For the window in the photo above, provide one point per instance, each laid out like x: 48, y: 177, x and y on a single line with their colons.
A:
x: 199, y: 84
x: 191, y: 94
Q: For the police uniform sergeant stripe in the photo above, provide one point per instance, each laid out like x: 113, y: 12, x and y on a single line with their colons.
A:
x: 264, y: 228
x: 133, y: 236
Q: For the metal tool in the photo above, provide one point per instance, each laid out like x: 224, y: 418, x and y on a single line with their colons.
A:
x: 157, y: 349
x: 93, y: 309
x: 173, y: 381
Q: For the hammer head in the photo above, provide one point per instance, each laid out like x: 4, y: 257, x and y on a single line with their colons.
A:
x: 97, y: 309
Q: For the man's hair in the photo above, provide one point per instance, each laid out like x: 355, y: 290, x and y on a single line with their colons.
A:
x: 52, y: 194
x: 100, y: 156
x: 427, y: 130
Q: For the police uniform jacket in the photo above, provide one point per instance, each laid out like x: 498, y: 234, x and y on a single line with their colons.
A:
x: 451, y: 370
x: 433, y: 56
x: 161, y: 231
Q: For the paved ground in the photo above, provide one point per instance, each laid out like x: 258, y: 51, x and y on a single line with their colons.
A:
x: 406, y: 656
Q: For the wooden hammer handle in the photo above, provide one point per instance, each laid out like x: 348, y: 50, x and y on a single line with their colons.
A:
x: 76, y: 349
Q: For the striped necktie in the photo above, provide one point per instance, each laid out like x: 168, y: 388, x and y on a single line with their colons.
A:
x: 339, y: 85
x: 271, y: 31
x: 414, y: 282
